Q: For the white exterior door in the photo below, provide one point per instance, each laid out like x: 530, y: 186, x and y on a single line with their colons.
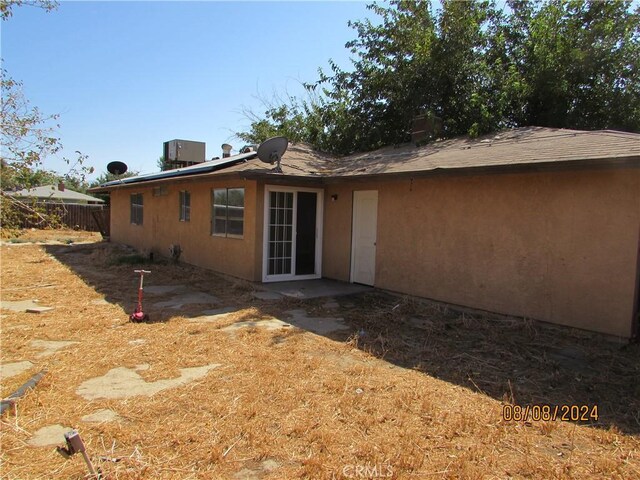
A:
x: 363, y: 236
x: 292, y: 234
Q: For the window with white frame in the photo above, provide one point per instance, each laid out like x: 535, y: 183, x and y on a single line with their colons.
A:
x: 185, y: 206
x: 227, y: 212
x: 136, y: 208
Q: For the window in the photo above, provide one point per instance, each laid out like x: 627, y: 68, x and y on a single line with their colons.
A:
x: 185, y: 206
x: 228, y: 212
x: 136, y: 208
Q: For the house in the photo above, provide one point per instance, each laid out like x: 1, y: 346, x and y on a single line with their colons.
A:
x: 54, y: 194
x: 533, y: 222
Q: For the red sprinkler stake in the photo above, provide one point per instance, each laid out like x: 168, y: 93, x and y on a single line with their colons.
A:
x: 139, y: 315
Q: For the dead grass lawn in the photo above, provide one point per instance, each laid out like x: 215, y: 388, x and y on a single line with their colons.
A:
x: 414, y: 400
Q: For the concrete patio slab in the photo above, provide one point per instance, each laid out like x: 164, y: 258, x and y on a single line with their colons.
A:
x: 49, y: 435
x: 189, y: 298
x: 262, y: 295
x: 124, y: 382
x: 15, y: 368
x: 49, y: 347
x: 314, y: 288
x: 319, y: 325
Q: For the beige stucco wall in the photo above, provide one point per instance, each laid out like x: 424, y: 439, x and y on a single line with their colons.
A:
x: 557, y: 246
x: 162, y: 228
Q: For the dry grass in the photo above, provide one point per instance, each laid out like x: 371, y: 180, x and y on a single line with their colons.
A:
x: 396, y: 397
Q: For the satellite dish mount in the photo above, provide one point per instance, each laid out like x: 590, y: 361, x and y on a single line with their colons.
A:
x: 271, y: 151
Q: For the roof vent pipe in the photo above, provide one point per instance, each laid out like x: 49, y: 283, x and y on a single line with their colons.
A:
x: 226, y: 150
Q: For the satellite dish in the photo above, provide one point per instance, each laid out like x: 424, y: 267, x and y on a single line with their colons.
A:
x: 271, y: 150
x: 117, y: 168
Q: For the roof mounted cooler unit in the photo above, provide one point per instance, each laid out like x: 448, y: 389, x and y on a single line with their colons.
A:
x: 182, y: 153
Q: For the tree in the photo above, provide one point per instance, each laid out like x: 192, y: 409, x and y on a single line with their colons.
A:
x: 28, y: 137
x: 163, y: 164
x: 7, y: 6
x: 570, y: 64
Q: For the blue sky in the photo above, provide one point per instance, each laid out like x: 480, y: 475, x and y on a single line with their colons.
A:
x: 127, y: 76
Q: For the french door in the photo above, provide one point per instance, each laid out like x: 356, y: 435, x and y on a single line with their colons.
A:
x: 293, y: 234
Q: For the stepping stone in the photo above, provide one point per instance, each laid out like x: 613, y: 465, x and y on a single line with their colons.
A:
x: 49, y: 347
x: 270, y: 324
x: 137, y: 341
x: 319, y: 325
x: 124, y: 382
x: 421, y: 323
x: 212, y: 316
x: 190, y: 298
x: 22, y: 305
x: 162, y: 289
x: 266, y: 295
x: 331, y: 305
x: 101, y: 416
x: 47, y: 436
x: 256, y: 474
x: 39, y: 309
x: 12, y: 369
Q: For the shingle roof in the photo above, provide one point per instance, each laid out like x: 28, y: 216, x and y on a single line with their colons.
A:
x: 51, y: 192
x: 522, y: 146
x: 537, y: 146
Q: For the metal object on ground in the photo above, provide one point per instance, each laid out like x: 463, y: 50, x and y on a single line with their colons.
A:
x: 76, y: 445
x: 138, y: 315
x: 31, y: 383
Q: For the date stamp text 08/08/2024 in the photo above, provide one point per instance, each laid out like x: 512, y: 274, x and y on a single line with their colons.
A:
x: 546, y: 413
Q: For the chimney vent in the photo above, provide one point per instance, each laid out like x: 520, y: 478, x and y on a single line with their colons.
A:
x: 425, y: 127
x: 226, y: 150
x: 61, y: 186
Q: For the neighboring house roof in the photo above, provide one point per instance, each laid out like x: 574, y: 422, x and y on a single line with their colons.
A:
x: 531, y: 147
x: 51, y: 192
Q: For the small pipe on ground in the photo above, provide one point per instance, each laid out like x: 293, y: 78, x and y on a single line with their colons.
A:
x: 11, y: 399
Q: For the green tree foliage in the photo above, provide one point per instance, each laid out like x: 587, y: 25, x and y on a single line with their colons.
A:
x: 557, y: 63
x: 28, y: 137
x: 7, y: 6
x: 163, y: 164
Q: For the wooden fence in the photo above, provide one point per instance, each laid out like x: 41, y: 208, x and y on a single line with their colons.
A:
x: 92, y: 218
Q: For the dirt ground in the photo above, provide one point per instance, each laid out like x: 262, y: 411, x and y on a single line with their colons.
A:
x: 413, y: 389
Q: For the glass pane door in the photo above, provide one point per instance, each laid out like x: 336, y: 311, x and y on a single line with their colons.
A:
x: 280, y: 233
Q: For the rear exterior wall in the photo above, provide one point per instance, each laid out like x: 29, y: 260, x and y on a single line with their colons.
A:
x: 555, y: 246
x: 162, y: 227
